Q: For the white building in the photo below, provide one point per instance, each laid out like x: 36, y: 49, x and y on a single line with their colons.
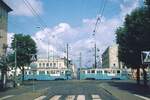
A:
x: 110, y: 57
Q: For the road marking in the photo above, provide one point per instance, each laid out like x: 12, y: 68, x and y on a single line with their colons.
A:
x: 40, y: 98
x: 5, y: 97
x: 56, y: 97
x: 145, y: 98
x: 96, y: 97
x: 81, y: 97
x: 70, y: 97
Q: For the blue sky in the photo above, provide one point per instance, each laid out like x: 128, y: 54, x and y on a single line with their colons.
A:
x: 69, y: 11
x: 69, y: 21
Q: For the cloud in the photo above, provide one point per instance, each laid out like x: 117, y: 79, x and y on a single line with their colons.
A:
x: 81, y: 38
x: 128, y: 6
x: 20, y: 9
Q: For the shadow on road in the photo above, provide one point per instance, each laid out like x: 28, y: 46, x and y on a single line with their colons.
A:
x: 132, y: 87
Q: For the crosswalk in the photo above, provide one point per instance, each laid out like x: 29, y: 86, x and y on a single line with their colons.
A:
x: 69, y: 97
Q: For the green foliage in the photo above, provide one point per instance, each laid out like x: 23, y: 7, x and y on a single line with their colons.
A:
x: 147, y: 2
x: 134, y: 37
x: 25, y: 47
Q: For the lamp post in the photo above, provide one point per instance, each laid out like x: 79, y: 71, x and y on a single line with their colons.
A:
x: 33, y: 66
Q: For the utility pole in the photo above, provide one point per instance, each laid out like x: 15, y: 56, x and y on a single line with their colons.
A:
x: 95, y: 56
x: 80, y: 64
x: 53, y: 58
x: 48, y: 51
x: 67, y: 57
x: 15, y: 82
x: 80, y: 60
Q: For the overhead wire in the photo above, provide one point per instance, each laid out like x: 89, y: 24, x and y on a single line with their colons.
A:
x: 34, y: 12
x: 98, y: 21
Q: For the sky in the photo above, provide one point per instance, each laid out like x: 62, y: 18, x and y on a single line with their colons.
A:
x: 69, y: 21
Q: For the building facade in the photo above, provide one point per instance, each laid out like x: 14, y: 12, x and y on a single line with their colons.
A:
x: 4, y: 9
x: 53, y: 67
x: 110, y: 57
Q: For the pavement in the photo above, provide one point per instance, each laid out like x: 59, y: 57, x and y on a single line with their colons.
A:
x: 78, y: 90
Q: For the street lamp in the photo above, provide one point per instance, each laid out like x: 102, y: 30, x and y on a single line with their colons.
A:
x: 33, y: 66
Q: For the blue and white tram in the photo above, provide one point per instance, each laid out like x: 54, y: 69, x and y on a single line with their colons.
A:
x: 48, y: 74
x: 103, y: 74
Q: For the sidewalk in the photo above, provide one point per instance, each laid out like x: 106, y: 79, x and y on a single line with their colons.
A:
x: 124, y: 90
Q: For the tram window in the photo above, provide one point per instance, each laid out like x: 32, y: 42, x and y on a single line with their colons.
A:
x: 118, y: 71
x: 114, y: 71
x: 83, y: 72
x: 88, y: 71
x: 41, y: 72
x: 99, y: 72
x: 52, y: 72
x: 48, y: 72
x: 105, y: 71
x: 93, y: 71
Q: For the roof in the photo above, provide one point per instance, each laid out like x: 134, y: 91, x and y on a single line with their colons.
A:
x: 3, y: 4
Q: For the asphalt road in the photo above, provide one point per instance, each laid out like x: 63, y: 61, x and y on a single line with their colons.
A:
x: 59, y: 90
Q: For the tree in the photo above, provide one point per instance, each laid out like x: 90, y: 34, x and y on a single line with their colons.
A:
x: 25, y: 47
x: 133, y: 38
x: 4, y: 67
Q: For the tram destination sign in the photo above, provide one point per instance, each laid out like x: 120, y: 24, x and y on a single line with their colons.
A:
x: 145, y: 57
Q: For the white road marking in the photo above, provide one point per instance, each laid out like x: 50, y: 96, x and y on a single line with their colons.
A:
x: 145, y: 98
x: 56, y: 97
x: 40, y: 98
x: 81, y: 97
x: 70, y: 97
x: 96, y: 97
x: 5, y: 97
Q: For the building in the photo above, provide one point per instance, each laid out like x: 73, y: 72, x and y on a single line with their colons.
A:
x: 54, y: 67
x: 4, y: 9
x: 110, y: 57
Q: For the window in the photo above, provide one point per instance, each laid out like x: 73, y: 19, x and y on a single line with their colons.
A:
x: 99, y: 72
x: 105, y: 71
x: 88, y: 71
x: 93, y: 71
x: 41, y: 72
x: 47, y: 65
x: 50, y: 64
x: 118, y: 71
x: 39, y: 64
x: 83, y: 72
x: 59, y: 64
x: 43, y: 64
x: 54, y: 64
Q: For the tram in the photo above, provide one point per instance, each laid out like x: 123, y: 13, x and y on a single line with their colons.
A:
x: 48, y: 74
x: 103, y: 74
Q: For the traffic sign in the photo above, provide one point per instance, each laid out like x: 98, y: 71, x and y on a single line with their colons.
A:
x: 145, y: 56
x: 34, y: 57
